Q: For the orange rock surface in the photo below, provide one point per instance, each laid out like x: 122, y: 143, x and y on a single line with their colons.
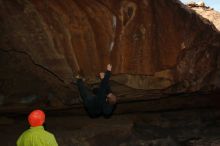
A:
x: 152, y: 45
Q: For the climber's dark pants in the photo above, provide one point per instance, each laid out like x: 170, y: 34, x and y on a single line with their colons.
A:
x: 85, y: 93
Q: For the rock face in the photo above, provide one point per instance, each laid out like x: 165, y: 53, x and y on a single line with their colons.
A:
x: 153, y: 45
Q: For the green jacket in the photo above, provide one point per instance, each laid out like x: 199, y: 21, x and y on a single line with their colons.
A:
x: 36, y: 136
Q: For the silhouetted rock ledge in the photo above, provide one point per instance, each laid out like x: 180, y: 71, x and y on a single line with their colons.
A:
x: 208, y: 13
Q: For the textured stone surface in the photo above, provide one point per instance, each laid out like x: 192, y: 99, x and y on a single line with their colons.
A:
x: 153, y: 45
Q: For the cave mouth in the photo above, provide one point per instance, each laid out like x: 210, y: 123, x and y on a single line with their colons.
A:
x: 177, y: 120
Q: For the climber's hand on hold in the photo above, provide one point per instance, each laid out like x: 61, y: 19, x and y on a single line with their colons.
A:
x: 109, y: 67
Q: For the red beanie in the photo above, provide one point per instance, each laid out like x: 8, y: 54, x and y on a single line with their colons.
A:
x: 36, y: 118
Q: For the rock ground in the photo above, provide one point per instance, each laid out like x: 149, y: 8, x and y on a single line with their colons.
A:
x: 195, y: 127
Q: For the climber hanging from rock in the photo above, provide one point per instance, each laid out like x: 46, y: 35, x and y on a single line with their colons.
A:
x: 98, y: 101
